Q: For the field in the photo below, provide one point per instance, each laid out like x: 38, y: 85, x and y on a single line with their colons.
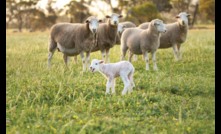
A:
x: 179, y: 98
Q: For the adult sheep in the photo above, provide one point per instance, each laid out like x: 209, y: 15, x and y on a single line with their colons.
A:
x: 140, y: 41
x: 73, y: 39
x: 121, y: 27
x: 176, y: 34
x: 107, y: 33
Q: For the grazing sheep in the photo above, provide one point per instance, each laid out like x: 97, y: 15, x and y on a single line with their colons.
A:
x: 140, y: 41
x: 124, y: 69
x: 73, y: 39
x: 107, y: 33
x: 176, y: 34
x: 121, y: 27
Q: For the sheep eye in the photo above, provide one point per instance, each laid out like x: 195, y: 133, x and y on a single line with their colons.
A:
x: 95, y: 63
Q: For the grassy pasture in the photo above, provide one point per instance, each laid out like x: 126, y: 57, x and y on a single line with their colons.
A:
x: 177, y: 99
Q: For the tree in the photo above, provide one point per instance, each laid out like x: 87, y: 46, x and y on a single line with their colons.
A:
x: 207, y: 9
x: 144, y: 12
x: 78, y: 11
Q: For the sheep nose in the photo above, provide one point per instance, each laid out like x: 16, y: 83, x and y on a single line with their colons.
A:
x: 165, y: 31
x: 94, y: 30
x: 115, y: 22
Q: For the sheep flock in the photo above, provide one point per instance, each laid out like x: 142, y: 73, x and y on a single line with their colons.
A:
x: 93, y: 35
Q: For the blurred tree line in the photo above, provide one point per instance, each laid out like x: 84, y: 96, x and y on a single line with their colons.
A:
x: 25, y: 14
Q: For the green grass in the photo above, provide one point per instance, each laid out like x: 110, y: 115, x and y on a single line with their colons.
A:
x: 177, y: 99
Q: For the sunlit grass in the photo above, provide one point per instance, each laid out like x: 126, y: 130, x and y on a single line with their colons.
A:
x: 179, y: 98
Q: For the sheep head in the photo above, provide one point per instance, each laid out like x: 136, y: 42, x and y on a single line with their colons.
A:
x: 95, y: 65
x: 93, y: 23
x: 159, y: 25
x: 114, y: 19
x: 182, y: 18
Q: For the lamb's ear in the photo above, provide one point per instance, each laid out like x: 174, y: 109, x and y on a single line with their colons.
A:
x: 87, y: 21
x: 101, y: 61
x: 107, y: 16
x: 120, y: 16
x: 188, y: 15
x: 177, y: 16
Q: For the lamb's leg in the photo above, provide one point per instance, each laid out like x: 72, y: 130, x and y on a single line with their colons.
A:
x: 83, y: 61
x: 145, y: 56
x: 154, y: 60
x: 107, y: 56
x: 75, y: 59
x: 108, y: 85
x: 113, y: 86
x: 175, y: 51
x: 130, y: 76
x: 88, y: 60
x: 130, y: 56
x: 126, y: 84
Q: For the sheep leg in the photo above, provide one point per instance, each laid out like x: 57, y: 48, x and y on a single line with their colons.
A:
x: 51, y: 49
x: 130, y: 56
x: 135, y: 58
x: 50, y: 54
x: 179, y: 53
x: 154, y: 60
x: 145, y: 56
x: 107, y: 56
x: 108, y: 85
x: 88, y: 60
x: 126, y: 84
x: 65, y: 58
x: 175, y: 51
x: 123, y: 52
x: 83, y: 61
x: 103, y: 53
x: 113, y: 86
x: 75, y: 59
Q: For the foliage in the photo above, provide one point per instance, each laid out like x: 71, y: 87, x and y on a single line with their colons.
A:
x: 179, y: 98
x: 207, y: 9
x: 145, y: 12
x: 77, y: 10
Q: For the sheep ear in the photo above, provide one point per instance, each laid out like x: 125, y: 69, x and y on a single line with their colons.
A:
x: 120, y: 16
x: 101, y: 61
x: 100, y: 21
x: 107, y: 16
x: 87, y: 21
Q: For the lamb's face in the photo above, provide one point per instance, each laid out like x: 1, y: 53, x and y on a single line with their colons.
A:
x: 95, y: 65
x: 182, y: 18
x: 93, y: 24
x: 160, y: 26
x: 120, y: 28
x: 114, y: 18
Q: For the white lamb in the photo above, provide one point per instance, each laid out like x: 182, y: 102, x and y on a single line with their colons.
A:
x: 124, y: 69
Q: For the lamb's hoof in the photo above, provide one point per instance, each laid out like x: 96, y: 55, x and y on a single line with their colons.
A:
x: 124, y: 93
